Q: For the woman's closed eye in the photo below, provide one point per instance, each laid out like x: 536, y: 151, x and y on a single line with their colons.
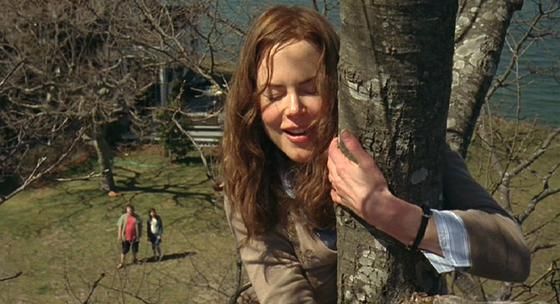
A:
x: 308, y: 88
x: 274, y: 94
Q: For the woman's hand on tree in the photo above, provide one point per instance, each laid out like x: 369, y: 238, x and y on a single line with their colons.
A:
x: 358, y: 185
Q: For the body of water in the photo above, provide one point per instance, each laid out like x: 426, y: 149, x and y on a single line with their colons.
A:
x: 536, y: 98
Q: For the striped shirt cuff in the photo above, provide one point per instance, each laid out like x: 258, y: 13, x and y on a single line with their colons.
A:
x: 453, y: 240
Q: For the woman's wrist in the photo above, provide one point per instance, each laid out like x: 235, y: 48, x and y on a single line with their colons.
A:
x: 395, y: 217
x: 426, y: 215
x: 378, y: 208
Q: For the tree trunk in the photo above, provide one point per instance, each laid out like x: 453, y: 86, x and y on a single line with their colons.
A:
x: 479, y: 39
x: 394, y: 86
x: 104, y: 158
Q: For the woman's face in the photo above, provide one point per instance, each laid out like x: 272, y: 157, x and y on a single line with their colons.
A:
x: 290, y: 102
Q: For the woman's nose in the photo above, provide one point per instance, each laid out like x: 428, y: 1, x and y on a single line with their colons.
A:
x: 295, y: 105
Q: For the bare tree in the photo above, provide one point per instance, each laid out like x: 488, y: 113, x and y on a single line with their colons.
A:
x: 77, y: 68
x: 75, y: 74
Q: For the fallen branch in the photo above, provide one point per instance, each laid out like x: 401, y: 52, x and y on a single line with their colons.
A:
x: 12, y: 276
x: 548, y: 273
x: 93, y: 287
x: 128, y: 293
x: 543, y: 247
x: 86, y: 177
x: 450, y: 299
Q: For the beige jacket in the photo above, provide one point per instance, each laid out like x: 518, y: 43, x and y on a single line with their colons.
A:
x: 292, y: 265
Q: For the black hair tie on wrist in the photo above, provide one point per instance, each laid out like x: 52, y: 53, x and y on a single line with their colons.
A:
x: 426, y: 214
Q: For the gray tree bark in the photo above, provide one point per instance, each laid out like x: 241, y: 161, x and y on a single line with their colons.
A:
x: 104, y: 158
x: 479, y: 39
x: 394, y: 87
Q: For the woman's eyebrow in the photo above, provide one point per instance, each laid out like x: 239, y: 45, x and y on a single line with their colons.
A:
x: 272, y: 86
x: 280, y: 86
x: 310, y: 79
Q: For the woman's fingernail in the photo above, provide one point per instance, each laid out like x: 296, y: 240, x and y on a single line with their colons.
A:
x: 345, y: 134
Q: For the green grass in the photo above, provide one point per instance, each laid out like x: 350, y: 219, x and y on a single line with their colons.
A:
x: 63, y: 237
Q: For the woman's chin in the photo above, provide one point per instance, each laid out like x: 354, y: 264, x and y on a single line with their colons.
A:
x: 300, y: 157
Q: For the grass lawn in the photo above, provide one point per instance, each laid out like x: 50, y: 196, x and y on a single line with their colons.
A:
x: 63, y: 238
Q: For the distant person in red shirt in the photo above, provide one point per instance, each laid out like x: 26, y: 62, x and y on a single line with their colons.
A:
x: 130, y: 227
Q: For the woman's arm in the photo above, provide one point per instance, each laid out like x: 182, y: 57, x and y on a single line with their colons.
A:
x: 493, y: 237
x: 497, y: 246
x: 271, y: 264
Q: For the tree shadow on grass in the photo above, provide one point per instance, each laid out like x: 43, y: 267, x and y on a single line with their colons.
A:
x: 208, y: 197
x: 132, y: 184
x: 162, y: 188
x: 168, y: 257
x: 188, y: 160
x: 179, y: 189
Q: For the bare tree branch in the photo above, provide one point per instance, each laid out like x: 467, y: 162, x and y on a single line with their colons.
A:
x: 209, y: 173
x: 36, y: 174
x: 10, y: 73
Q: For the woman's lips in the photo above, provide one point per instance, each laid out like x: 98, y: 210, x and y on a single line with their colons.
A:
x: 297, y: 136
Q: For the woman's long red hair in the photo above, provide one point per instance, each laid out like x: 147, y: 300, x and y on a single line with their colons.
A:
x: 249, y: 167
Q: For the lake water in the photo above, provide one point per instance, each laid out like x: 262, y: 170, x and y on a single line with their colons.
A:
x: 540, y: 64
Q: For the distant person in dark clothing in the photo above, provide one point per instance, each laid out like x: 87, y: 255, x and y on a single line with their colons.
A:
x: 130, y: 227
x: 155, y: 230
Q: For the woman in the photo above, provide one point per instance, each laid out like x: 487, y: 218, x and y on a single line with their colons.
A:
x: 283, y: 171
x: 155, y: 231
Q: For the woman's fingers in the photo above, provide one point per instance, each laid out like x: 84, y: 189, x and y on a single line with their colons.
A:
x: 337, y: 179
x: 335, y: 197
x: 355, y: 148
x: 335, y: 155
x: 333, y: 176
x: 358, y: 155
